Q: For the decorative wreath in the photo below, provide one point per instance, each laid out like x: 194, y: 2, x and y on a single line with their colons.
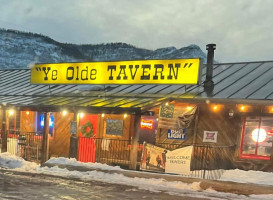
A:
x: 89, y: 125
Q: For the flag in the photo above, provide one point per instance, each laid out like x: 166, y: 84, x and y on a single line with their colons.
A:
x: 175, y: 117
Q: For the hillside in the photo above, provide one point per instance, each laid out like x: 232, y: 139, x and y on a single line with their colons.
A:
x: 20, y: 49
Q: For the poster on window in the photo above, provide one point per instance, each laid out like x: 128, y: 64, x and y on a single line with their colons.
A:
x: 161, y: 160
x: 210, y: 136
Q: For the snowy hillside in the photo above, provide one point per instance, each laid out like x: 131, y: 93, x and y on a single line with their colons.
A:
x: 20, y: 49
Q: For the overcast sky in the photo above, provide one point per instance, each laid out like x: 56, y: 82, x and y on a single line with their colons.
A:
x: 241, y: 29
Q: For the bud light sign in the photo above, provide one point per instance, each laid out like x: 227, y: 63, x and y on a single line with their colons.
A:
x: 176, y: 134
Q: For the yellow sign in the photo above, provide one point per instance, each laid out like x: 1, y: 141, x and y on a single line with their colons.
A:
x: 179, y: 71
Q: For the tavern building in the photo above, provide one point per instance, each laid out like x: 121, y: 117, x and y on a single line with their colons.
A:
x: 227, y: 116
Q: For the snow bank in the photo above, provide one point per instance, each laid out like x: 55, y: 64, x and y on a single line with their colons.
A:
x: 11, y: 161
x: 241, y: 176
x: 74, y: 162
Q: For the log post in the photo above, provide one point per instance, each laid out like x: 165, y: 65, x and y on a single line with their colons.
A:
x: 45, y: 141
x: 73, y: 148
x: 4, y: 147
x: 135, y: 143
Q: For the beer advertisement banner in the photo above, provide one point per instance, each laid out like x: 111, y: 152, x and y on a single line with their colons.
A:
x: 161, y: 160
x: 176, y: 71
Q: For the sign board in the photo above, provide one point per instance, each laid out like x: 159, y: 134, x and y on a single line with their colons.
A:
x: 178, y: 71
x: 179, y: 161
x: 73, y: 128
x: 210, y: 136
x: 158, y: 159
x: 176, y: 134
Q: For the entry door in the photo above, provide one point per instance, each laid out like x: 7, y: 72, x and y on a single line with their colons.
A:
x: 87, y: 145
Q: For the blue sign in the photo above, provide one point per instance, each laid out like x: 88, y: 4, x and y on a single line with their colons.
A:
x: 176, y: 134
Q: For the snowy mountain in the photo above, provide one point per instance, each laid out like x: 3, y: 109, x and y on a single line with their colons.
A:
x: 20, y: 49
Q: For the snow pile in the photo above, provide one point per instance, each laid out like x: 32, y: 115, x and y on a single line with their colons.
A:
x: 241, y: 176
x: 8, y: 160
x: 151, y: 184
x: 74, y: 162
x: 11, y: 161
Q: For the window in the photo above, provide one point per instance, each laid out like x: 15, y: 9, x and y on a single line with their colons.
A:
x: 41, y: 122
x: 257, y: 138
x: 114, y: 127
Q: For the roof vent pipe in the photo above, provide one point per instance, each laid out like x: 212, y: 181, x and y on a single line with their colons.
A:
x: 209, y: 74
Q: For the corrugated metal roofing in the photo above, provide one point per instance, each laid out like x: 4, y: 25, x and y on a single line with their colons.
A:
x: 239, y: 81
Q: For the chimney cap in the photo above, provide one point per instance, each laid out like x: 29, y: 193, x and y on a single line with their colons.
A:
x: 213, y: 46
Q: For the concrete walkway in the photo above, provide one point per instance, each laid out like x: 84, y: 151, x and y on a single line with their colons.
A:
x: 220, y: 186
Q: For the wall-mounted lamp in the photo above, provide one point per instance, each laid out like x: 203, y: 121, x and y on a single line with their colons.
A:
x: 81, y: 115
x: 189, y: 108
x: 231, y: 113
x: 11, y: 112
x: 27, y: 112
x: 215, y: 107
x: 64, y: 112
x: 125, y: 116
x: 102, y: 115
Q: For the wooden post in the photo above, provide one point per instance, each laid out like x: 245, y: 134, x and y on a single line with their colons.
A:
x: 195, y: 125
x: 45, y: 142
x: 135, y: 139
x: 4, y: 132
x: 73, y: 148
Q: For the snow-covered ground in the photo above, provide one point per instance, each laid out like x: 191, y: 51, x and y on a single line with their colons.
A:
x: 155, y: 185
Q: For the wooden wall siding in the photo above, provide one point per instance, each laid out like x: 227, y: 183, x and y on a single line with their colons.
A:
x: 28, y: 122
x: 126, y: 127
x: 59, y: 145
x: 1, y: 119
x: 229, y: 129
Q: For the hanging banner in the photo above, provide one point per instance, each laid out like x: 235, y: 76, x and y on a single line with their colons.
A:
x: 179, y: 161
x: 177, y: 71
x: 153, y: 158
x: 161, y: 160
x: 175, y: 117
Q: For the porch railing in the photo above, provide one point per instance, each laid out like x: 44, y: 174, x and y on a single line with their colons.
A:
x: 24, y: 144
x: 104, y: 150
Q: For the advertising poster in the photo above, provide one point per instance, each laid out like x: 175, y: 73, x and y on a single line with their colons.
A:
x: 210, y: 136
x: 153, y: 158
x: 179, y: 161
x: 160, y: 160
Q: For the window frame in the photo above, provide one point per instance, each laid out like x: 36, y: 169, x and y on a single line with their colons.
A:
x: 251, y: 156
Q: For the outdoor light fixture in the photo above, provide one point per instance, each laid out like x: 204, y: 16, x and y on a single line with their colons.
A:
x: 64, y: 112
x: 125, y: 115
x: 11, y: 112
x: 166, y: 104
x: 81, y: 115
x: 215, y: 107
x: 258, y: 135
x: 102, y: 115
x: 231, y: 113
x: 189, y: 108
x: 27, y: 112
x: 242, y: 108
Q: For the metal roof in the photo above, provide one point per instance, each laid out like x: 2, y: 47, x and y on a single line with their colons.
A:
x: 252, y: 81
